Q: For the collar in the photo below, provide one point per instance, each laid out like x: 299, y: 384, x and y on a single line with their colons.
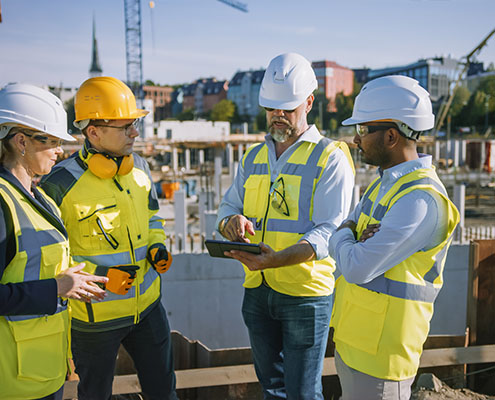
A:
x: 311, y: 135
x: 38, y: 201
x: 397, y: 171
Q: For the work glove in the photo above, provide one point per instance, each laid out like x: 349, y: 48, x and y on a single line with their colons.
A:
x: 159, y: 257
x: 120, y: 278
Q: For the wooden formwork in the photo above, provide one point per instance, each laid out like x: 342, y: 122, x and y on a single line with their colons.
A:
x: 481, y: 309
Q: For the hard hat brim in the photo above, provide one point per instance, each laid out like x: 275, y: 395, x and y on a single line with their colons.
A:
x: 278, y: 105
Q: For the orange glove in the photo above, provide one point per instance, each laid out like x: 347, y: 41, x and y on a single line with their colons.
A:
x: 120, y: 278
x: 159, y: 257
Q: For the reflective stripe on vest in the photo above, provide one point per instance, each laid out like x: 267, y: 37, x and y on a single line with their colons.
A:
x: 408, y: 291
x: 308, y: 173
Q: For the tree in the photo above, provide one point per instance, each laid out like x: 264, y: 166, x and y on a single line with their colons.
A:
x: 186, y: 115
x: 223, y: 111
x: 260, y: 121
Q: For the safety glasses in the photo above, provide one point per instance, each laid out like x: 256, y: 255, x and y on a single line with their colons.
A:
x: 277, y: 193
x: 363, y: 130
x: 127, y: 129
x: 45, y: 139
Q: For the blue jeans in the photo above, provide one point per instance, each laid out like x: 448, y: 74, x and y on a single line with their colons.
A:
x: 148, y: 343
x: 288, y: 339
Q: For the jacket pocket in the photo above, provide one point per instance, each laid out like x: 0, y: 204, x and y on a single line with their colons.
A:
x: 98, y: 222
x: 361, y: 318
x: 41, y: 347
x: 256, y: 190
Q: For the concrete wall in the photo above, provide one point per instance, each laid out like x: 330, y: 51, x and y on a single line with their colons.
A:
x: 203, y: 298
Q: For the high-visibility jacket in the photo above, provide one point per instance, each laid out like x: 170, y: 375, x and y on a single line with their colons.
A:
x: 380, y: 326
x: 33, y: 355
x: 110, y: 222
x: 300, y: 176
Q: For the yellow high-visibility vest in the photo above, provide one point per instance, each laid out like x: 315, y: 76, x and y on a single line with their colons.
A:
x: 380, y: 326
x: 110, y: 222
x: 34, y: 348
x: 297, y: 179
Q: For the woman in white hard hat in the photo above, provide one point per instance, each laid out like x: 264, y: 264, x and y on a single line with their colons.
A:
x: 35, y: 278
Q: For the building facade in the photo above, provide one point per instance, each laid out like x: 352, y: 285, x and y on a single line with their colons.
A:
x: 162, y: 98
x: 333, y: 79
x: 433, y: 74
x: 244, y: 89
x: 203, y: 94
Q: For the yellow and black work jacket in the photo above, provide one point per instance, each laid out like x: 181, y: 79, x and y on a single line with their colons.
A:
x: 300, y: 176
x: 34, y: 348
x: 380, y: 326
x: 110, y: 222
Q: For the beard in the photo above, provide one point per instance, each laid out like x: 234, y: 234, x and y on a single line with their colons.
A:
x: 281, y: 135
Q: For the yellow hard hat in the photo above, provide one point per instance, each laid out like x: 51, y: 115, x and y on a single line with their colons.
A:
x: 105, y: 97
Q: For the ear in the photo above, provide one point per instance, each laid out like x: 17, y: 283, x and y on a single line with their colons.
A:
x: 391, y: 138
x: 309, y: 103
x: 93, y: 134
x: 20, y: 142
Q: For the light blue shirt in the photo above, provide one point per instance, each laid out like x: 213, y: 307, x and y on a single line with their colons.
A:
x: 331, y: 200
x: 417, y: 221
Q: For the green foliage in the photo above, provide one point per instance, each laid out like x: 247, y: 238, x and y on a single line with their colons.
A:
x: 186, y: 115
x: 461, y: 98
x: 149, y: 82
x: 223, y: 111
x: 260, y: 121
x: 480, y: 107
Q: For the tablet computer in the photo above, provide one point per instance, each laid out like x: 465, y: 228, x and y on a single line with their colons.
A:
x: 217, y: 247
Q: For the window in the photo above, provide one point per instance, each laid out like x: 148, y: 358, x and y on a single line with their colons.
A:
x: 169, y: 133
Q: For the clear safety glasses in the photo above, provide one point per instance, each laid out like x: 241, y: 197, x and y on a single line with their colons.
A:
x: 127, y: 129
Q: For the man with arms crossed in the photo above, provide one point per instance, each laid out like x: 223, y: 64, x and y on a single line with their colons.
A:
x: 392, y: 248
x: 289, y: 194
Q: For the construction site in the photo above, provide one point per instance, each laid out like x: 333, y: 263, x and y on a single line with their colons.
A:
x: 194, y: 162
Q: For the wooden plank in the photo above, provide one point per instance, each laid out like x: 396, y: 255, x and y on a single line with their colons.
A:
x: 231, y: 375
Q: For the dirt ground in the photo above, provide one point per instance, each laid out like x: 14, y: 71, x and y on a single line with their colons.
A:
x: 429, y: 387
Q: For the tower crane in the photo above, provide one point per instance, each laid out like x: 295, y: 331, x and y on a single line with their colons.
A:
x: 444, y: 110
x: 134, y: 45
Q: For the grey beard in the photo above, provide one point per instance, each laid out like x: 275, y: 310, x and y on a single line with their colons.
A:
x: 281, y: 135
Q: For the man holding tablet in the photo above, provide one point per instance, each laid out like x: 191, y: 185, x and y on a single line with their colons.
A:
x: 290, y: 193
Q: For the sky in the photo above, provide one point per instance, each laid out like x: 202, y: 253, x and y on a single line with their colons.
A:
x: 48, y: 42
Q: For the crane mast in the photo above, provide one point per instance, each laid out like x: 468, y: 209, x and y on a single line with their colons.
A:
x: 133, y: 47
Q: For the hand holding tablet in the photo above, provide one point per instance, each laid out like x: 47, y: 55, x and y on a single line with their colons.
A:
x: 216, y: 248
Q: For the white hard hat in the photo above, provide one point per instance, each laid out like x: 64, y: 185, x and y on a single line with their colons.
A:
x: 288, y: 81
x: 395, y: 97
x: 32, y: 107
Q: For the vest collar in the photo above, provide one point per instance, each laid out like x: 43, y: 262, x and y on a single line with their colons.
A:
x: 38, y: 201
x: 397, y: 171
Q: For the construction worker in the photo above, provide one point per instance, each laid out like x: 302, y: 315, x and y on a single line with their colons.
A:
x: 289, y: 194
x: 392, y: 248
x: 35, y: 278
x: 109, y: 205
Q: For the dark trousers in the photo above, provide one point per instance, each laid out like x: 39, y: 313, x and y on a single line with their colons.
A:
x: 58, y: 395
x: 148, y: 343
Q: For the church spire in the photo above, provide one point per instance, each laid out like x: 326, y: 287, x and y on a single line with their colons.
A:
x: 95, y: 68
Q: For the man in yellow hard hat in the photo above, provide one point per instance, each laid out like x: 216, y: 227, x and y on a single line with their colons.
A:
x: 109, y: 205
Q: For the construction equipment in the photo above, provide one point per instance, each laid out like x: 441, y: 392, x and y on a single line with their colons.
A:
x: 446, y: 106
x: 134, y: 46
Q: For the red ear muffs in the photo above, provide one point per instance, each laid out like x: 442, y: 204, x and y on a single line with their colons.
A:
x: 106, y: 167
